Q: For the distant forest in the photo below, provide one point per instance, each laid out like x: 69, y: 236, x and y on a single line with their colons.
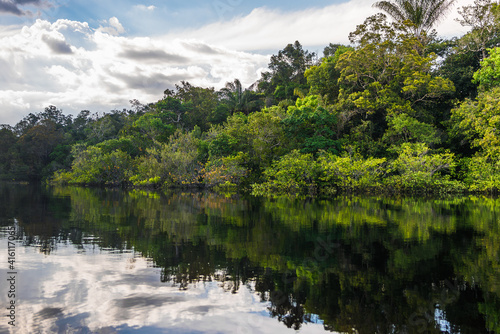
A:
x: 397, y: 110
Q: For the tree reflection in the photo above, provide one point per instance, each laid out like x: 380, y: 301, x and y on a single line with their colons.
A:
x: 362, y: 264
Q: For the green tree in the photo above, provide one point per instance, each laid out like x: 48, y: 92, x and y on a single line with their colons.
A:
x: 323, y: 78
x: 310, y: 127
x: 423, y: 14
x: 350, y: 171
x: 108, y: 126
x: 293, y: 173
x: 228, y: 171
x: 198, y: 104
x: 403, y: 128
x: 230, y: 138
x: 37, y: 144
x: 385, y: 76
x: 7, y: 151
x: 93, y: 166
x: 286, y: 73
x: 239, y: 99
x: 459, y: 65
x: 483, y: 19
x: 488, y: 76
x: 174, y: 164
x: 418, y: 169
x: 479, y: 120
x: 153, y: 126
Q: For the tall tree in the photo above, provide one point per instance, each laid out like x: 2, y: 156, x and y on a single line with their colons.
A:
x: 286, y: 73
x: 423, y: 14
x: 239, y: 99
x: 483, y: 17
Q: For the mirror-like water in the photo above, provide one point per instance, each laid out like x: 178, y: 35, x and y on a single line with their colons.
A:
x: 78, y: 260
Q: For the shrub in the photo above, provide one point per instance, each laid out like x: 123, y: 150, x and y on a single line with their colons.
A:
x: 351, y: 171
x: 294, y: 173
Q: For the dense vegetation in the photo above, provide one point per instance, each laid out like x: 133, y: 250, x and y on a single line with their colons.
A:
x: 398, y: 110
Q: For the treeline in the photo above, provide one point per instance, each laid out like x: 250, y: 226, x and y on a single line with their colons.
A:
x: 398, y: 110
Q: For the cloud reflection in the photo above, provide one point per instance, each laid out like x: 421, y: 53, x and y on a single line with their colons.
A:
x: 101, y: 291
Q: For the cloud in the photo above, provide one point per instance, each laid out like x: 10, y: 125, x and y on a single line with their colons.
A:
x: 271, y: 29
x: 145, y: 8
x: 74, y: 67
x: 155, y: 55
x: 56, y: 45
x: 115, y: 27
x: 12, y: 6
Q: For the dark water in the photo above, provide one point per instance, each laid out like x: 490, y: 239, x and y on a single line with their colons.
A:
x: 107, y: 261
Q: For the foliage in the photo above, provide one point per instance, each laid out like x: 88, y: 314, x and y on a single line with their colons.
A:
x: 93, y: 166
x: 286, y: 73
x: 423, y: 14
x: 351, y: 172
x: 242, y: 100
x: 483, y: 18
x: 293, y: 173
x: 176, y: 163
x: 229, y: 170
x: 385, y: 76
x: 397, y: 92
x: 483, y: 174
x: 323, y: 78
x: 266, y: 136
x: 311, y: 126
x: 403, y: 128
x: 194, y: 106
x: 488, y: 76
x: 416, y: 168
x: 459, y: 66
x: 478, y: 120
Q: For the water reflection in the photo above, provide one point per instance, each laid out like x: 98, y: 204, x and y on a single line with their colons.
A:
x: 111, y: 260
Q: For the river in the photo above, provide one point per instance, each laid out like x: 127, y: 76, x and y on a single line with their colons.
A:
x: 82, y: 260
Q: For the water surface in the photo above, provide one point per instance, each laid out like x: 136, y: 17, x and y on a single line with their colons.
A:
x: 109, y: 260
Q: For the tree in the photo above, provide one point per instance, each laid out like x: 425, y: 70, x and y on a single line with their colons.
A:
x: 488, y: 76
x: 385, y: 76
x: 459, y: 64
x: 323, y: 78
x: 479, y: 120
x: 198, y: 104
x: 37, y: 144
x: 417, y: 169
x: 7, y: 151
x: 423, y: 14
x: 106, y: 127
x: 239, y: 99
x: 92, y: 165
x: 293, y: 173
x: 176, y: 163
x: 483, y: 18
x: 286, y: 73
x: 310, y: 127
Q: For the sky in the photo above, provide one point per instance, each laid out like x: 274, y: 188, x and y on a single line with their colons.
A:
x: 98, y: 55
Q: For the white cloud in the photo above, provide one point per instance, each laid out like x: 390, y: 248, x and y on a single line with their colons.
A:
x: 268, y: 29
x: 74, y: 67
x: 145, y: 8
x: 115, y: 28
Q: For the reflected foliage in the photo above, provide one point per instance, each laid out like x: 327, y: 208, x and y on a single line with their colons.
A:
x: 357, y: 264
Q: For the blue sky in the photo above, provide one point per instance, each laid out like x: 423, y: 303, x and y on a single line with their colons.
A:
x: 147, y: 18
x: 98, y: 55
